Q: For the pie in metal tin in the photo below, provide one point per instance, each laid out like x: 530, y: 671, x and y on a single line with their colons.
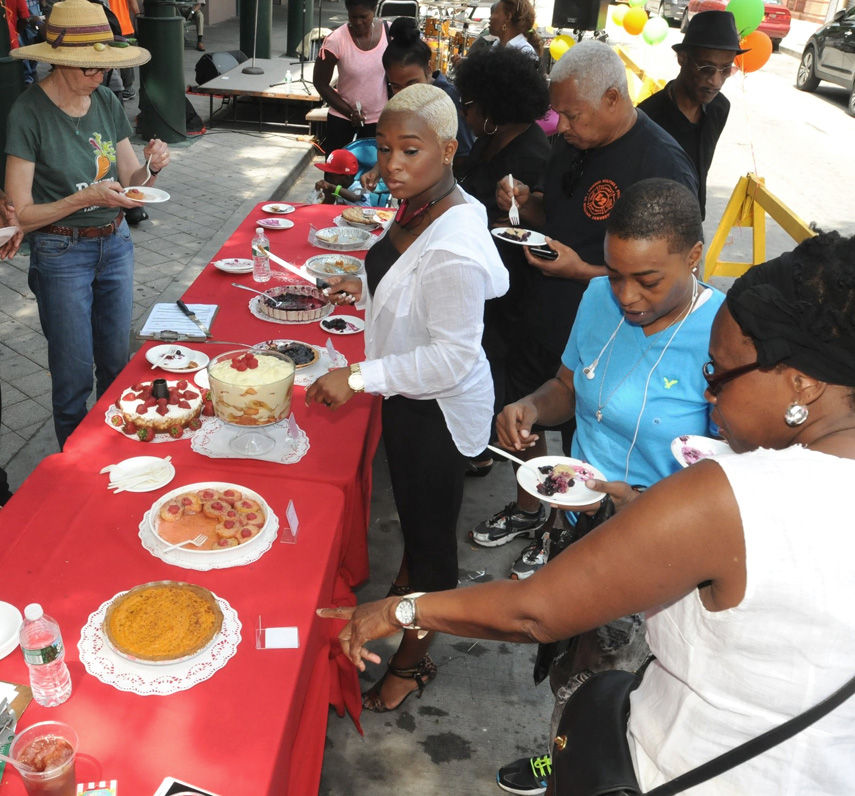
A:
x: 162, y: 622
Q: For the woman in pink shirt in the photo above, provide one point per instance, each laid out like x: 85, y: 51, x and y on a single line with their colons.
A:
x: 360, y: 94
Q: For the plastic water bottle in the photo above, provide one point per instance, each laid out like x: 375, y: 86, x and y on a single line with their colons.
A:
x: 41, y: 643
x: 288, y: 80
x: 260, y: 256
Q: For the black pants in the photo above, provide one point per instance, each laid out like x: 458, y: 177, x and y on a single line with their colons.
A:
x: 427, y: 483
x: 340, y: 132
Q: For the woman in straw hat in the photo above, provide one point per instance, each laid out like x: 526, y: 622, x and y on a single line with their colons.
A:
x: 68, y: 156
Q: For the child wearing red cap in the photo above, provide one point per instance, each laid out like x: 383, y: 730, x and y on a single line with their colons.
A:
x: 340, y: 170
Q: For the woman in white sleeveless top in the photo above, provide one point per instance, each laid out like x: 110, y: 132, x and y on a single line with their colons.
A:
x: 743, y: 564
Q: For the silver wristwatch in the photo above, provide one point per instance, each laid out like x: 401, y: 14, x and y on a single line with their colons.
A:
x: 355, y: 380
x: 405, y: 611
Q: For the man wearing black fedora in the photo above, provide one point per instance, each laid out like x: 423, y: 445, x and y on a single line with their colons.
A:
x: 691, y: 107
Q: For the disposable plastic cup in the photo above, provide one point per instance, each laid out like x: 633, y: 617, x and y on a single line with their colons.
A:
x: 56, y: 780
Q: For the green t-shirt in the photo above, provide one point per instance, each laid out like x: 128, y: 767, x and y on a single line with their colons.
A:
x: 70, y: 153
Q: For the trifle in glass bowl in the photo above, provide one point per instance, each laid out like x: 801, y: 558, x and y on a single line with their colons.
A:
x: 251, y: 390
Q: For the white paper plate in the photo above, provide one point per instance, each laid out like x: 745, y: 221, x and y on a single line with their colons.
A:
x: 234, y: 265
x: 150, y: 195
x: 325, y: 265
x: 275, y: 223
x: 690, y: 448
x: 139, y: 465
x: 180, y: 358
x: 154, y: 513
x: 278, y: 207
x: 577, y: 495
x: 202, y: 379
x: 10, y: 625
x: 355, y: 325
x: 6, y: 234
x: 533, y: 239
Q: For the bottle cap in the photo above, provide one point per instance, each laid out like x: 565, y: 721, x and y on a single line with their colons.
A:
x: 33, y: 612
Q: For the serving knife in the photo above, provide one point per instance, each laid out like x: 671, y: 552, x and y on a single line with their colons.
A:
x: 321, y: 284
x: 192, y: 316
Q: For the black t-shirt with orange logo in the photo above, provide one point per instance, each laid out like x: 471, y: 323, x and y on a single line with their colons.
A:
x: 580, y: 188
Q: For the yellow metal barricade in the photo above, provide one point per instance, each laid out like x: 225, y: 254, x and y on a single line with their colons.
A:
x: 640, y: 84
x: 749, y: 203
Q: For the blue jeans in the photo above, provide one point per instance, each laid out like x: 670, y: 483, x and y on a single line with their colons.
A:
x: 84, y: 289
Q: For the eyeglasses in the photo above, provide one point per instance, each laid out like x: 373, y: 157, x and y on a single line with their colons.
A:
x: 709, y: 70
x: 91, y: 71
x: 573, y: 174
x: 715, y: 381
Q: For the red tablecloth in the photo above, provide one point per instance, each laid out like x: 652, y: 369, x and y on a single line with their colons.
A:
x: 342, y: 442
x: 256, y: 726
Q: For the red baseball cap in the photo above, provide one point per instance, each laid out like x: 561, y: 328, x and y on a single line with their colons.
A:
x: 339, y: 161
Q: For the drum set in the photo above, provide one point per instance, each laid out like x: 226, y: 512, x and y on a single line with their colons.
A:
x: 450, y: 29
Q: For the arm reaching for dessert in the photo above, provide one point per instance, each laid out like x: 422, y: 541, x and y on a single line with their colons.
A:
x: 684, y: 531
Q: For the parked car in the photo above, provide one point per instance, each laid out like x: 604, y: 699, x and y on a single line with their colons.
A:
x: 830, y: 55
x: 775, y: 24
x: 670, y: 10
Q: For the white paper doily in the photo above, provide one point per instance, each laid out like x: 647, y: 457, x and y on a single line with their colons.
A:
x: 187, y: 433
x: 101, y: 662
x: 305, y: 377
x: 238, y: 556
x: 256, y: 312
x: 291, y: 443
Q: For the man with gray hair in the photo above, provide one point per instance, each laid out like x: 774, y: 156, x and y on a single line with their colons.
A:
x: 606, y: 145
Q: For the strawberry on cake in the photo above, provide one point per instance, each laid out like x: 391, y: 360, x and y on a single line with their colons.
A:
x: 160, y: 406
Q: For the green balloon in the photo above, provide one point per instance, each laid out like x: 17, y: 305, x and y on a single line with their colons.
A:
x: 636, y: 3
x: 748, y: 14
x: 655, y: 30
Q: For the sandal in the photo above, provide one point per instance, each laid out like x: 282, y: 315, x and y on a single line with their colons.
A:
x: 423, y: 672
x: 478, y: 469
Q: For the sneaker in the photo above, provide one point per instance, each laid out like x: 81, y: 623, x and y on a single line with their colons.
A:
x: 532, y: 558
x: 508, y: 524
x: 526, y: 775
x: 133, y: 215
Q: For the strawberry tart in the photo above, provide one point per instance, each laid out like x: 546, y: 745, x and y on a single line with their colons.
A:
x: 160, y: 406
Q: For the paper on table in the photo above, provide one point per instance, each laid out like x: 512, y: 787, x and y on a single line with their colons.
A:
x: 8, y: 691
x: 281, y: 638
x: 167, y: 316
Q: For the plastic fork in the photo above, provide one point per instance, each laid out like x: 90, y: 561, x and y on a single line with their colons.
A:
x: 514, y: 212
x: 196, y: 541
x: 148, y: 169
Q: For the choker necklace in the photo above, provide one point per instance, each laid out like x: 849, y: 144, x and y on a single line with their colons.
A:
x: 400, y: 219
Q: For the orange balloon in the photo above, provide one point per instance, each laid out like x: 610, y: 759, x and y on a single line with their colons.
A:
x: 634, y: 20
x: 759, y: 47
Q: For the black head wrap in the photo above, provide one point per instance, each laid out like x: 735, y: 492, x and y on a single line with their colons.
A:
x: 799, y: 309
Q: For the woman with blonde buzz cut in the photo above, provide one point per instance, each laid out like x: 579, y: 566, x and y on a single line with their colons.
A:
x: 425, y: 288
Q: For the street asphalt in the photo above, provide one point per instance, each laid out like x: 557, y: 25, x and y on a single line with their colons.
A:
x: 483, y: 709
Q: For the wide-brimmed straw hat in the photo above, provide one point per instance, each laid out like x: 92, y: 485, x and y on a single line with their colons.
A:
x: 711, y: 30
x: 78, y: 34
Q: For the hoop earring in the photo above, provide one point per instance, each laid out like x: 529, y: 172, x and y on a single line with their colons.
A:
x: 490, y: 132
x: 796, y: 414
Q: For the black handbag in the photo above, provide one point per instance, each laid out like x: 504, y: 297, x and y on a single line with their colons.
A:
x: 560, y: 539
x: 590, y: 754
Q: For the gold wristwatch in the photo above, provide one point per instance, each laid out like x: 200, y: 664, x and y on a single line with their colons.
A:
x: 355, y: 380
